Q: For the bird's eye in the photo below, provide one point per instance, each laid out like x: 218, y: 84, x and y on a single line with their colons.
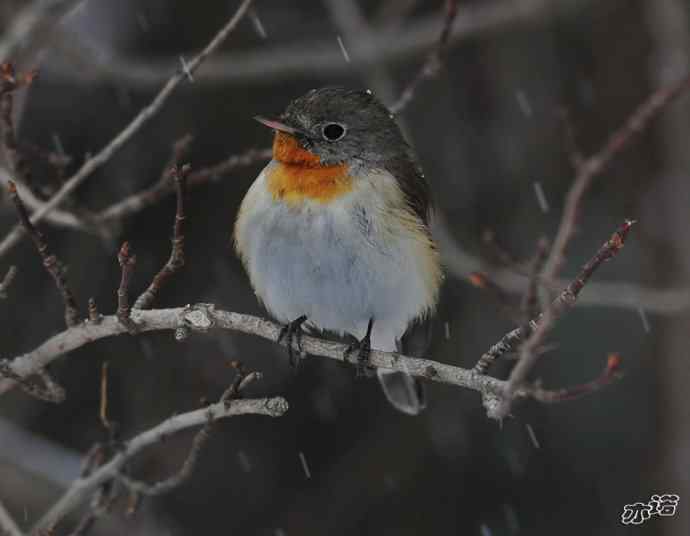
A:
x: 333, y: 131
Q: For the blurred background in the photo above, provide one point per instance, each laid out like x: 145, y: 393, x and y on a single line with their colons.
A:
x: 490, y: 135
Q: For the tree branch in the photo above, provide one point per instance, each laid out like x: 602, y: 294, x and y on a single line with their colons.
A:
x: 610, y: 373
x: 148, y: 196
x: 83, y: 487
x: 50, y: 262
x: 537, y: 328
x: 144, y: 116
x: 591, y: 167
x: 203, y: 317
x: 433, y: 62
x: 8, y: 526
x: 7, y: 281
x: 614, y: 294
x: 323, y: 58
x: 127, y: 261
x: 31, y: 20
x: 242, y: 379
x: 176, y: 260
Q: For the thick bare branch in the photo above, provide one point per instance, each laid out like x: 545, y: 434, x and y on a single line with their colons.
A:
x: 203, y: 317
x: 84, y: 487
x: 50, y: 391
x: 144, y: 116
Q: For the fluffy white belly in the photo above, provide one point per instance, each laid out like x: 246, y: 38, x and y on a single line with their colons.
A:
x: 339, y: 264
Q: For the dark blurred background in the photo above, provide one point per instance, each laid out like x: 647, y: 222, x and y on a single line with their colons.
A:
x: 488, y: 131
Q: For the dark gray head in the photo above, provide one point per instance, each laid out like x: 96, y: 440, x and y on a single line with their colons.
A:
x: 343, y: 126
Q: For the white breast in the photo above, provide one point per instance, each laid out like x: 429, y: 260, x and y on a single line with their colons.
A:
x: 361, y: 256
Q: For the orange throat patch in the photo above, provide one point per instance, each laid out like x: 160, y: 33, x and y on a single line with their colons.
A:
x: 299, y: 175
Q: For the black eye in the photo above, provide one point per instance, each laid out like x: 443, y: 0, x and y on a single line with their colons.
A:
x: 333, y: 131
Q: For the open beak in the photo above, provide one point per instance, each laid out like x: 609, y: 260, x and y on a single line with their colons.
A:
x: 277, y: 125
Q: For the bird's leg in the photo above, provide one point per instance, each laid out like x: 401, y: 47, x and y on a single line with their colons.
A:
x: 363, y: 349
x: 292, y: 331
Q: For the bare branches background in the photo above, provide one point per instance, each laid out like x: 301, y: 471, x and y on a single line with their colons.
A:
x: 487, y: 127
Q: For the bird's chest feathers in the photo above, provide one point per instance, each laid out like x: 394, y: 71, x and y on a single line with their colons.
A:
x: 298, y: 175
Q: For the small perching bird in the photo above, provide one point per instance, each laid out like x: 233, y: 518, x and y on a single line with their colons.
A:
x: 334, y: 231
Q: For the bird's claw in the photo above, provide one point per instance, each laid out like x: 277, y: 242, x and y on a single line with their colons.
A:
x: 363, y: 349
x: 292, y: 331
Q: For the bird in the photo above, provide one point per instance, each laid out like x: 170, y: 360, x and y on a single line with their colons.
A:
x: 334, y: 232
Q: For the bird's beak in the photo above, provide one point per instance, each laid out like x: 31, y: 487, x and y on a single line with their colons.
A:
x: 277, y: 125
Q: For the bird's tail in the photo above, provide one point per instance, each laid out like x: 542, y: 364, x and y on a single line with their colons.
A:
x: 404, y: 392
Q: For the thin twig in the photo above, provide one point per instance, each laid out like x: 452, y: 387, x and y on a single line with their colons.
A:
x: 108, y: 492
x: 571, y: 146
x: 165, y: 486
x: 610, y: 374
x: 217, y: 171
x: 594, y: 165
x: 144, y: 116
x: 434, y: 61
x: 530, y: 302
x: 564, y: 301
x: 9, y: 82
x: 482, y: 281
x: 152, y: 194
x: 539, y: 328
x: 138, y: 488
x: 7, y: 281
x: 627, y: 296
x: 94, y: 315
x: 103, y: 407
x: 127, y: 261
x: 176, y: 260
x: 50, y: 262
x: 149, y: 196
x: 84, y: 487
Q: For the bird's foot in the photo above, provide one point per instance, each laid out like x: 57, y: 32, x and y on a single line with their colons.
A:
x: 363, y: 349
x: 292, y: 331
